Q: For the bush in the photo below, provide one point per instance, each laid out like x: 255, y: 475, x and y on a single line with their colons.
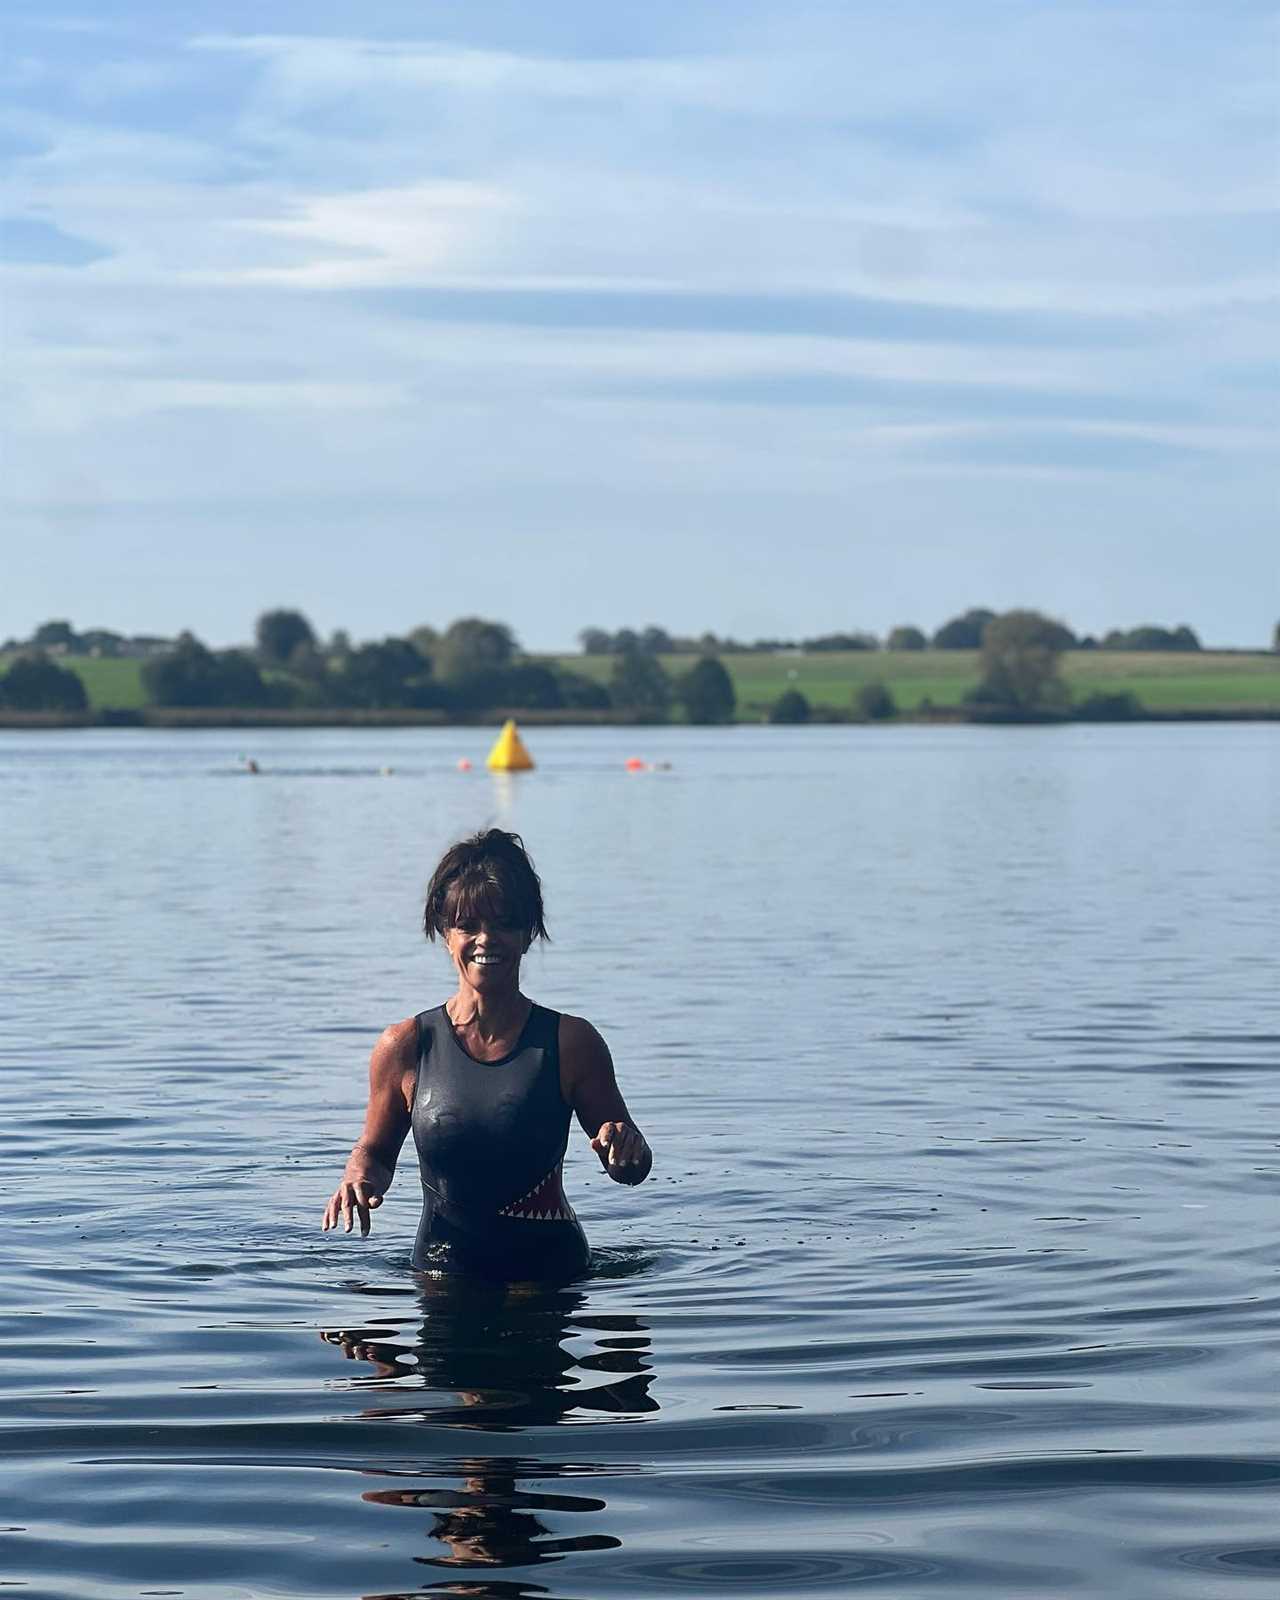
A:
x: 790, y: 706
x: 874, y: 701
x: 706, y: 692
x: 34, y: 683
x: 1103, y: 707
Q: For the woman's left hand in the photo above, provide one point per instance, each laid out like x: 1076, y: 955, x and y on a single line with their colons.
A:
x: 623, y: 1153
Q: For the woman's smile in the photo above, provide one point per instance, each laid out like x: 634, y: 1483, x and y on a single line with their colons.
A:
x: 485, y: 952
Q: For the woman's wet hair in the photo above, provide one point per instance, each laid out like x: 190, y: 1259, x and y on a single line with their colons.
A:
x: 486, y: 878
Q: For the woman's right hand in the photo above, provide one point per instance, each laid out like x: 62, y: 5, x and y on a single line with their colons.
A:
x: 352, y: 1198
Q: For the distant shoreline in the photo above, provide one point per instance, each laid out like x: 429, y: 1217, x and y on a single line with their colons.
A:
x: 921, y: 686
x: 184, y: 720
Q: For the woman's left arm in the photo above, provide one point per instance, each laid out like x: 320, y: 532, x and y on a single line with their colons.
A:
x: 588, y: 1083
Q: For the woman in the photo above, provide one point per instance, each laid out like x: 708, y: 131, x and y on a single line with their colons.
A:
x: 487, y: 1082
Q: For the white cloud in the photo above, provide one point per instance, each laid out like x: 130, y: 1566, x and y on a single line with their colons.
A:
x: 1053, y: 162
x: 387, y: 236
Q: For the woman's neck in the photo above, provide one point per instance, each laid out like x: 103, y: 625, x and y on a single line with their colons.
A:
x: 491, y: 1016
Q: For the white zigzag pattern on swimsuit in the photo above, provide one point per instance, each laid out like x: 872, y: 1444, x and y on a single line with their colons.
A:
x: 539, y: 1211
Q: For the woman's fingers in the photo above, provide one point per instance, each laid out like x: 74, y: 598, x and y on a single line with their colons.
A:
x: 350, y: 1201
x: 618, y: 1145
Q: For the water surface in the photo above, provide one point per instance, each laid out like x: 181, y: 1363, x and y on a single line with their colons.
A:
x: 956, y: 1275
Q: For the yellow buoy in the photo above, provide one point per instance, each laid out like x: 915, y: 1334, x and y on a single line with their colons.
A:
x: 509, y: 753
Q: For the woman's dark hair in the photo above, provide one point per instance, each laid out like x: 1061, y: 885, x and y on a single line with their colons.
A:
x: 486, y: 878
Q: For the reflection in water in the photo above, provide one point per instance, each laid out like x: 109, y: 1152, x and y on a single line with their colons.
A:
x: 495, y: 1360
x: 490, y: 1521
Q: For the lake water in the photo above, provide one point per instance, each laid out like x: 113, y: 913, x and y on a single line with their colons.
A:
x: 956, y: 1275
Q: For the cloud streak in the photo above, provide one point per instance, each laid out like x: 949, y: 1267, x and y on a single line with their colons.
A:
x: 792, y: 254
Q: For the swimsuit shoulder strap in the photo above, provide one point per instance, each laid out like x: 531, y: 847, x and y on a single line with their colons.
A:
x: 543, y: 1028
x: 424, y: 1021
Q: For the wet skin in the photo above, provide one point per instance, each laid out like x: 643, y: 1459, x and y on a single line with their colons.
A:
x: 488, y: 1013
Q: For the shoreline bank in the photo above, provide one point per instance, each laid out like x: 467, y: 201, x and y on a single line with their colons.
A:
x: 185, y: 719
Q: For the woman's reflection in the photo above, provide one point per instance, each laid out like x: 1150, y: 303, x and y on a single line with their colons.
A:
x: 489, y: 1521
x: 493, y: 1360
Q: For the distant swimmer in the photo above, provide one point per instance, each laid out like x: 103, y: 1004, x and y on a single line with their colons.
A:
x: 250, y: 765
x: 487, y: 1082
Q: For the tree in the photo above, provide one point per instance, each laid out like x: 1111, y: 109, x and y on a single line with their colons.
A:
x: 531, y: 686
x: 1020, y: 651
x: 656, y: 641
x: 472, y: 645
x: 1148, y: 636
x: 963, y: 632
x: 425, y: 640
x: 1275, y: 638
x: 639, y: 685
x: 191, y: 675
x: 790, y: 706
x: 59, y: 636
x: 706, y: 692
x: 34, y: 683
x: 595, y: 642
x: 905, y: 638
x: 383, y: 676
x: 581, y: 693
x: 874, y: 701
x: 841, y: 641
x: 279, y: 633
x: 101, y: 642
x: 308, y: 662
x: 524, y: 686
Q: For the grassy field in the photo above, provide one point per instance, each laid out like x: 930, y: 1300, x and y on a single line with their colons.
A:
x: 1207, y: 680
x: 110, y: 684
x: 1162, y: 681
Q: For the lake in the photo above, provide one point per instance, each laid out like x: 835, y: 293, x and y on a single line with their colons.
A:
x: 956, y: 1276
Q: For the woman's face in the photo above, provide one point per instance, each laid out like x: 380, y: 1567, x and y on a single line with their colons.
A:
x: 487, y: 954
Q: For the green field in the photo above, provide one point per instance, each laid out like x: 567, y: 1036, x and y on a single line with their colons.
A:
x: 1199, y: 681
x: 1206, y: 680
x: 110, y: 684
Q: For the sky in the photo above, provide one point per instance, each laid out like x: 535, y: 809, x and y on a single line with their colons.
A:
x: 771, y: 319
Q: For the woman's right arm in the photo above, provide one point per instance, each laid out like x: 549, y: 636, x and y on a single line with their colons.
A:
x: 372, y: 1163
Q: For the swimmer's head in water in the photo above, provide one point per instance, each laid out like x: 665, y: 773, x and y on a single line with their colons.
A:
x: 487, y: 878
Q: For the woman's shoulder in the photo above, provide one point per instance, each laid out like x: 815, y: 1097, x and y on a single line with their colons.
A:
x: 580, y: 1041
x: 397, y: 1047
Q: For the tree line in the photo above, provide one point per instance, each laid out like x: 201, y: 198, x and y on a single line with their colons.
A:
x: 963, y: 632
x: 473, y: 665
x: 476, y: 665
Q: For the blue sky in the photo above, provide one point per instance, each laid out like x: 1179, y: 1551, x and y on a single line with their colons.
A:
x: 769, y: 319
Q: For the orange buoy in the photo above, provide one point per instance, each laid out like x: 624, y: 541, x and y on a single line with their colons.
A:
x: 634, y: 764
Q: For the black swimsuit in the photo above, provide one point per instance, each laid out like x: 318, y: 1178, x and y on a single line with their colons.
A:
x: 491, y: 1137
